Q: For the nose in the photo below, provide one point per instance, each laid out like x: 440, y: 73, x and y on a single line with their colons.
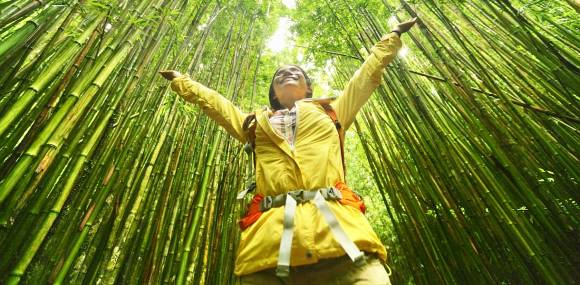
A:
x: 286, y: 75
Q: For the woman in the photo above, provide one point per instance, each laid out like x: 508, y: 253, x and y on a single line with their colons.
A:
x: 304, y: 226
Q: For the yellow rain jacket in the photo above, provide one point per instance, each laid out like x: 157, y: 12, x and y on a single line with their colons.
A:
x: 314, y: 162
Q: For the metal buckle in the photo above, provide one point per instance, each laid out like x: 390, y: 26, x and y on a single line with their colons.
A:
x: 266, y: 204
x: 248, y: 148
x: 298, y: 195
x: 283, y: 271
x: 333, y: 194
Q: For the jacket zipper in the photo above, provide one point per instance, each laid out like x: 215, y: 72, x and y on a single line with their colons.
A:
x: 293, y: 145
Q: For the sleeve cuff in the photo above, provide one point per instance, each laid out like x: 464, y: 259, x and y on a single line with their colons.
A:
x: 387, y: 48
x: 392, y: 34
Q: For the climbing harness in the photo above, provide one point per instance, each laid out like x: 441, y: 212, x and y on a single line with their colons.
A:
x: 290, y: 200
x: 338, y: 193
x: 261, y: 203
x: 319, y: 198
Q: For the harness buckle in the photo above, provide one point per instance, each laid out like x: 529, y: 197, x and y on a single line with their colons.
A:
x: 248, y: 148
x: 266, y: 203
x: 333, y: 194
x: 298, y: 195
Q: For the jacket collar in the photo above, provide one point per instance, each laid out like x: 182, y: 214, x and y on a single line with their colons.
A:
x: 263, y: 120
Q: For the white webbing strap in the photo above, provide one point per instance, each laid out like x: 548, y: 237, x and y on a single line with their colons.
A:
x: 339, y: 234
x: 243, y: 193
x: 283, y: 268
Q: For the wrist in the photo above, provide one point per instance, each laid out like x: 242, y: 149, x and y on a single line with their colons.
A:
x: 390, y: 35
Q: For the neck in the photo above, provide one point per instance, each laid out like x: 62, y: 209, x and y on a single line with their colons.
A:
x: 288, y: 95
x: 289, y: 98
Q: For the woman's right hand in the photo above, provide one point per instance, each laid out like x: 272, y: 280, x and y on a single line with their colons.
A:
x: 405, y: 26
x: 169, y: 74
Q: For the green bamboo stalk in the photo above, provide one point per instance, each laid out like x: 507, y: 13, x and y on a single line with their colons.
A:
x: 198, y: 210
x: 41, y: 82
x: 8, y: 184
x: 444, y: 137
x: 13, y: 13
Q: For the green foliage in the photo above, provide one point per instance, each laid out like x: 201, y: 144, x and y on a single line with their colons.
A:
x: 466, y: 155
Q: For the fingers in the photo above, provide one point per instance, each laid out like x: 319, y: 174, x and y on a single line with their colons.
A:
x: 169, y: 74
x: 406, y: 26
x: 408, y: 22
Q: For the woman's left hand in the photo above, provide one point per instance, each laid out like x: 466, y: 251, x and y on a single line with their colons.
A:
x: 169, y: 74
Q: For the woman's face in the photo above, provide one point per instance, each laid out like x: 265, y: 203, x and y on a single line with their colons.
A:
x: 290, y: 85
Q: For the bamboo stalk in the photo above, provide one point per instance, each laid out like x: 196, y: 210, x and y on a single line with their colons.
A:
x: 119, y: 182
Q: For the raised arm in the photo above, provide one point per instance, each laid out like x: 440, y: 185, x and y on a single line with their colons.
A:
x: 217, y: 107
x: 368, y: 77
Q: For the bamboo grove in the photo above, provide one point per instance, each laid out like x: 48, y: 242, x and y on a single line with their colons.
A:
x: 107, y: 177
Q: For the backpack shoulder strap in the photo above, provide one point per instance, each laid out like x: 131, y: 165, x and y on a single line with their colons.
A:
x: 332, y: 114
x: 249, y: 126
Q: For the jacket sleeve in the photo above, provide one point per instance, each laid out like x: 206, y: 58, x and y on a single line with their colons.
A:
x: 366, y: 79
x: 217, y: 107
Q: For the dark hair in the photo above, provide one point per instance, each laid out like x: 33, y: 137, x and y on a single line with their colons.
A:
x: 274, y: 104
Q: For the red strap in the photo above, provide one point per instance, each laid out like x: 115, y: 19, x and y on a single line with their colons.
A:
x: 253, y: 213
x: 350, y: 198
